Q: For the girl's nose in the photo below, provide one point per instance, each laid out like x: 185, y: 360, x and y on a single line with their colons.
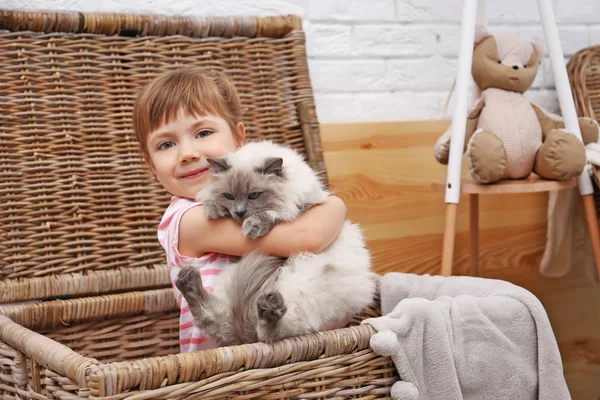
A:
x: 188, y: 154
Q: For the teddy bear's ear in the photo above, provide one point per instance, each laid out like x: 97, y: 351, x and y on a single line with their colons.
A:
x: 480, y: 34
x: 538, y: 47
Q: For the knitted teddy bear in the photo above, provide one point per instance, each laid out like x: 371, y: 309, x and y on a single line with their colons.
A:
x: 507, y: 136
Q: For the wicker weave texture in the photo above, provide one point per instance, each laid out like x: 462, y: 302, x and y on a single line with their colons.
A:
x: 14, y: 373
x: 106, y: 339
x: 108, y: 328
x: 75, y: 194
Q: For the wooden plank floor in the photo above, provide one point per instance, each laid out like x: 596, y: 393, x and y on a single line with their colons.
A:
x: 383, y: 171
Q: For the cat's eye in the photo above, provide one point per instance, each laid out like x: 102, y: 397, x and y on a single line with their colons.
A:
x: 254, y: 195
x: 499, y: 61
x: 228, y: 196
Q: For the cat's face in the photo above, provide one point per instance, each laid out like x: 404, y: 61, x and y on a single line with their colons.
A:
x: 246, y: 192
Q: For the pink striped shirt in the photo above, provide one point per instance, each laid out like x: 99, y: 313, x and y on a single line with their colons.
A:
x: 210, y: 265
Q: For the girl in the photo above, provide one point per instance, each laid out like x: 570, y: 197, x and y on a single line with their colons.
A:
x: 181, y: 118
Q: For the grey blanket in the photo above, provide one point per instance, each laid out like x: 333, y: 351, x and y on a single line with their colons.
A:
x: 466, y: 338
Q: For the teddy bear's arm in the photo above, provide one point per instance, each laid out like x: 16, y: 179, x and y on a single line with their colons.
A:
x: 549, y: 121
x: 442, y: 146
x: 473, y: 118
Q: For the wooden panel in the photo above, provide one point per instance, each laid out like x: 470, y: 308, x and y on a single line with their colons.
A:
x: 384, y: 173
x: 531, y: 184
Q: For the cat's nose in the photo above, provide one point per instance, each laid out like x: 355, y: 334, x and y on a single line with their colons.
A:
x: 515, y: 67
x: 240, y: 213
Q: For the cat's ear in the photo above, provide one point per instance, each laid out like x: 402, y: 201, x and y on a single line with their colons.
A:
x: 219, y: 164
x: 273, y: 165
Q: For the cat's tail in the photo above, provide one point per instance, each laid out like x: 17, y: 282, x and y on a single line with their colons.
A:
x: 248, y: 285
x: 256, y: 272
x: 255, y: 283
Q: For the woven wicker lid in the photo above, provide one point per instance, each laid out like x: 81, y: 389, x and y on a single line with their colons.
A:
x: 75, y: 195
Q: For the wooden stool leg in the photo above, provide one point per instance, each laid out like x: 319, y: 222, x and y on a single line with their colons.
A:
x: 592, y: 223
x: 474, y: 233
x: 449, y: 233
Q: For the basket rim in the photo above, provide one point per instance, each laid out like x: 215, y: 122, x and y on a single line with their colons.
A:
x: 166, y: 371
x: 112, y: 378
x: 132, y: 24
x: 43, y: 315
x: 85, y: 283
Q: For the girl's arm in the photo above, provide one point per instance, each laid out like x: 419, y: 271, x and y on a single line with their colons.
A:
x: 312, y: 232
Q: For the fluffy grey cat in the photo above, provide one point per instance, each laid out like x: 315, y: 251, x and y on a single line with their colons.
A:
x: 266, y: 298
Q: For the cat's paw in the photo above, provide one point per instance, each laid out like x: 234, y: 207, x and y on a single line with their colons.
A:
x: 213, y: 211
x: 271, y: 308
x: 189, y: 281
x: 255, y: 227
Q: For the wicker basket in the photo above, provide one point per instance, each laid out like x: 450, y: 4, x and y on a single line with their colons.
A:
x: 79, y: 213
x: 584, y: 75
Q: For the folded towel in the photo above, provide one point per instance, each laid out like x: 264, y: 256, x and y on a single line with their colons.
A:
x: 565, y: 216
x: 559, y: 250
x: 466, y: 338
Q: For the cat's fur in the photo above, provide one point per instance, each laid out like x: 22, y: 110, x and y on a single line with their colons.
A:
x: 262, y: 297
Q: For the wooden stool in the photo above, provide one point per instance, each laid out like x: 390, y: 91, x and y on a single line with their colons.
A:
x: 532, y: 184
x: 474, y: 11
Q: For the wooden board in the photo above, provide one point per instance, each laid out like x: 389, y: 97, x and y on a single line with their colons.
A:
x: 530, y: 184
x: 384, y: 172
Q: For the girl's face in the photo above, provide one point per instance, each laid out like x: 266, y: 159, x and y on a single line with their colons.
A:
x: 178, y: 151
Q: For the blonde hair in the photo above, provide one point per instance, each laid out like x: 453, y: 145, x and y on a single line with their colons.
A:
x: 195, y: 90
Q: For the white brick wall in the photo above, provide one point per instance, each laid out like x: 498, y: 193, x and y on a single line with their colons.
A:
x: 375, y: 60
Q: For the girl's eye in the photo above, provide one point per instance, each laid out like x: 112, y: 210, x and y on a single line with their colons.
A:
x: 166, y: 145
x: 203, y: 133
x: 499, y: 61
x: 228, y: 196
x: 254, y: 195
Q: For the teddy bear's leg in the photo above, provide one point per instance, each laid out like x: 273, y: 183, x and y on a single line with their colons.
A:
x: 486, y: 156
x: 442, y: 146
x: 560, y: 157
x: 589, y: 130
